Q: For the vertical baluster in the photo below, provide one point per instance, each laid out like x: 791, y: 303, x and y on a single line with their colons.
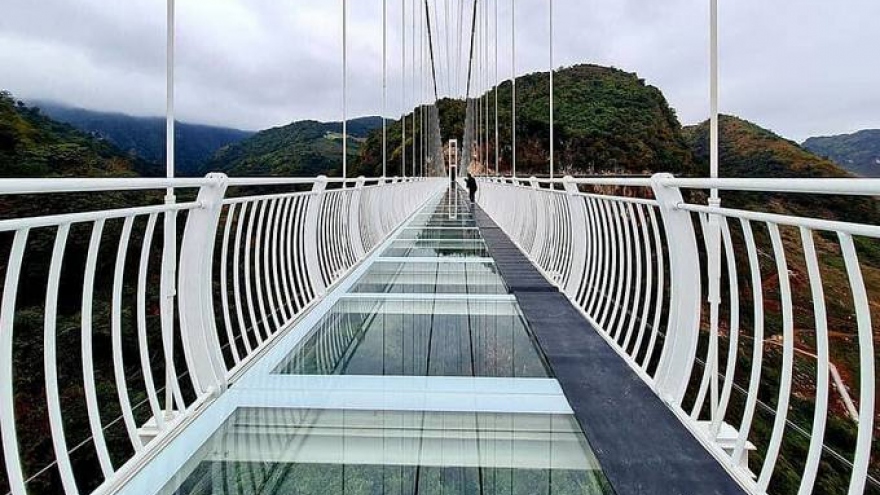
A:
x: 593, y: 247
x: 152, y: 396
x: 625, y: 218
x: 616, y: 266
x: 284, y: 255
x: 820, y: 411
x: 236, y: 277
x: 637, y: 241
x: 787, y: 360
x: 7, y: 320
x: 224, y: 283
x: 116, y: 336
x: 710, y: 365
x: 50, y: 363
x: 661, y: 283
x: 95, y: 425
x: 249, y: 249
x: 263, y: 296
x: 866, y: 365
x: 733, y: 337
x: 758, y: 349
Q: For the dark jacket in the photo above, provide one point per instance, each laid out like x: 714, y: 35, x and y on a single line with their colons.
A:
x: 472, y: 184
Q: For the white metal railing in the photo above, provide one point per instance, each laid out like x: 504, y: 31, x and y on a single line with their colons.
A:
x: 671, y: 282
x: 243, y: 269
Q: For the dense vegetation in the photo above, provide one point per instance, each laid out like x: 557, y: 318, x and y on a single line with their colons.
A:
x: 144, y: 137
x: 606, y: 120
x: 858, y: 152
x: 33, y: 145
x: 369, y: 160
x: 304, y: 148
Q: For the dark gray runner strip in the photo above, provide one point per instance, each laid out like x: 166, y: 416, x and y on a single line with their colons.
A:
x: 641, y: 445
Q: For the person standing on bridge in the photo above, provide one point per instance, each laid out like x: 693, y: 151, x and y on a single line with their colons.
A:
x: 472, y: 186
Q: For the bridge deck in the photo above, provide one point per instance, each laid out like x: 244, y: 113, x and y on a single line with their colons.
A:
x: 421, y: 373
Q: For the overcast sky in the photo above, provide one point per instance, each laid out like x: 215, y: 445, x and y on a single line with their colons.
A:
x: 800, y: 68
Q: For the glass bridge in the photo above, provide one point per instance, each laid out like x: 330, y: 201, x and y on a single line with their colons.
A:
x: 417, y: 374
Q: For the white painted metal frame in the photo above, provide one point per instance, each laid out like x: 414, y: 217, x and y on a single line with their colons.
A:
x: 280, y: 250
x: 629, y: 256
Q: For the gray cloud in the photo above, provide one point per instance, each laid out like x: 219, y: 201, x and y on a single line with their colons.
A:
x: 800, y: 68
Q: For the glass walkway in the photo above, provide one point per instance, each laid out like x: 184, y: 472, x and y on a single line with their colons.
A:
x: 417, y: 374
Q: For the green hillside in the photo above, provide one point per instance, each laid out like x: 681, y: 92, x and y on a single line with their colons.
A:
x: 304, y: 148
x: 33, y: 145
x: 369, y: 161
x: 858, y: 152
x: 144, y: 137
x: 605, y: 120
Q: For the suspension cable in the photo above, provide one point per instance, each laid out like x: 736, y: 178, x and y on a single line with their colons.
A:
x: 344, y: 91
x: 439, y: 39
x: 459, y: 58
x: 551, y: 90
x: 471, y: 56
x: 486, y: 84
x: 513, y: 86
x: 447, y: 28
x: 431, y: 49
x: 403, y: 88
x: 496, y: 85
x: 415, y: 85
x: 384, y: 88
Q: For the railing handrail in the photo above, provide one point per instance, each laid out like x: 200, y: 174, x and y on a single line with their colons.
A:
x: 294, y: 245
x: 11, y: 186
x: 852, y: 186
x: 745, y: 273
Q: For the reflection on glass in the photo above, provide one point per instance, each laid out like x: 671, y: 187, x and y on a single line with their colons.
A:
x: 437, y: 247
x: 305, y: 451
x: 419, y: 338
x: 431, y: 278
x: 439, y: 234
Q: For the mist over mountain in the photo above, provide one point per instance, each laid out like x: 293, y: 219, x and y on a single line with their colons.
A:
x: 144, y: 137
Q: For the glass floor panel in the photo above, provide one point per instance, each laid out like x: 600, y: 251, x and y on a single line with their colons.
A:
x: 324, y: 452
x: 439, y: 234
x: 433, y: 248
x: 442, y: 221
x: 424, y: 337
x: 436, y: 278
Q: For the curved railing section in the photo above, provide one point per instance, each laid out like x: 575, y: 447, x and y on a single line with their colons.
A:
x: 753, y: 323
x: 118, y: 326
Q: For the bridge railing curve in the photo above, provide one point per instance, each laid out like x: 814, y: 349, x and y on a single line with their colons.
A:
x: 117, y: 327
x: 754, y: 323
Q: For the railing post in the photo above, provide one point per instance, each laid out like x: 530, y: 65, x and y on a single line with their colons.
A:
x: 198, y: 329
x: 354, y: 219
x: 313, y: 262
x: 682, y: 333
x: 578, y: 255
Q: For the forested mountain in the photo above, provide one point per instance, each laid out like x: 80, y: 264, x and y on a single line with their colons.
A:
x: 369, y: 162
x: 858, y: 152
x: 33, y: 145
x: 304, y: 148
x: 748, y: 150
x: 144, y: 137
x: 605, y: 120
